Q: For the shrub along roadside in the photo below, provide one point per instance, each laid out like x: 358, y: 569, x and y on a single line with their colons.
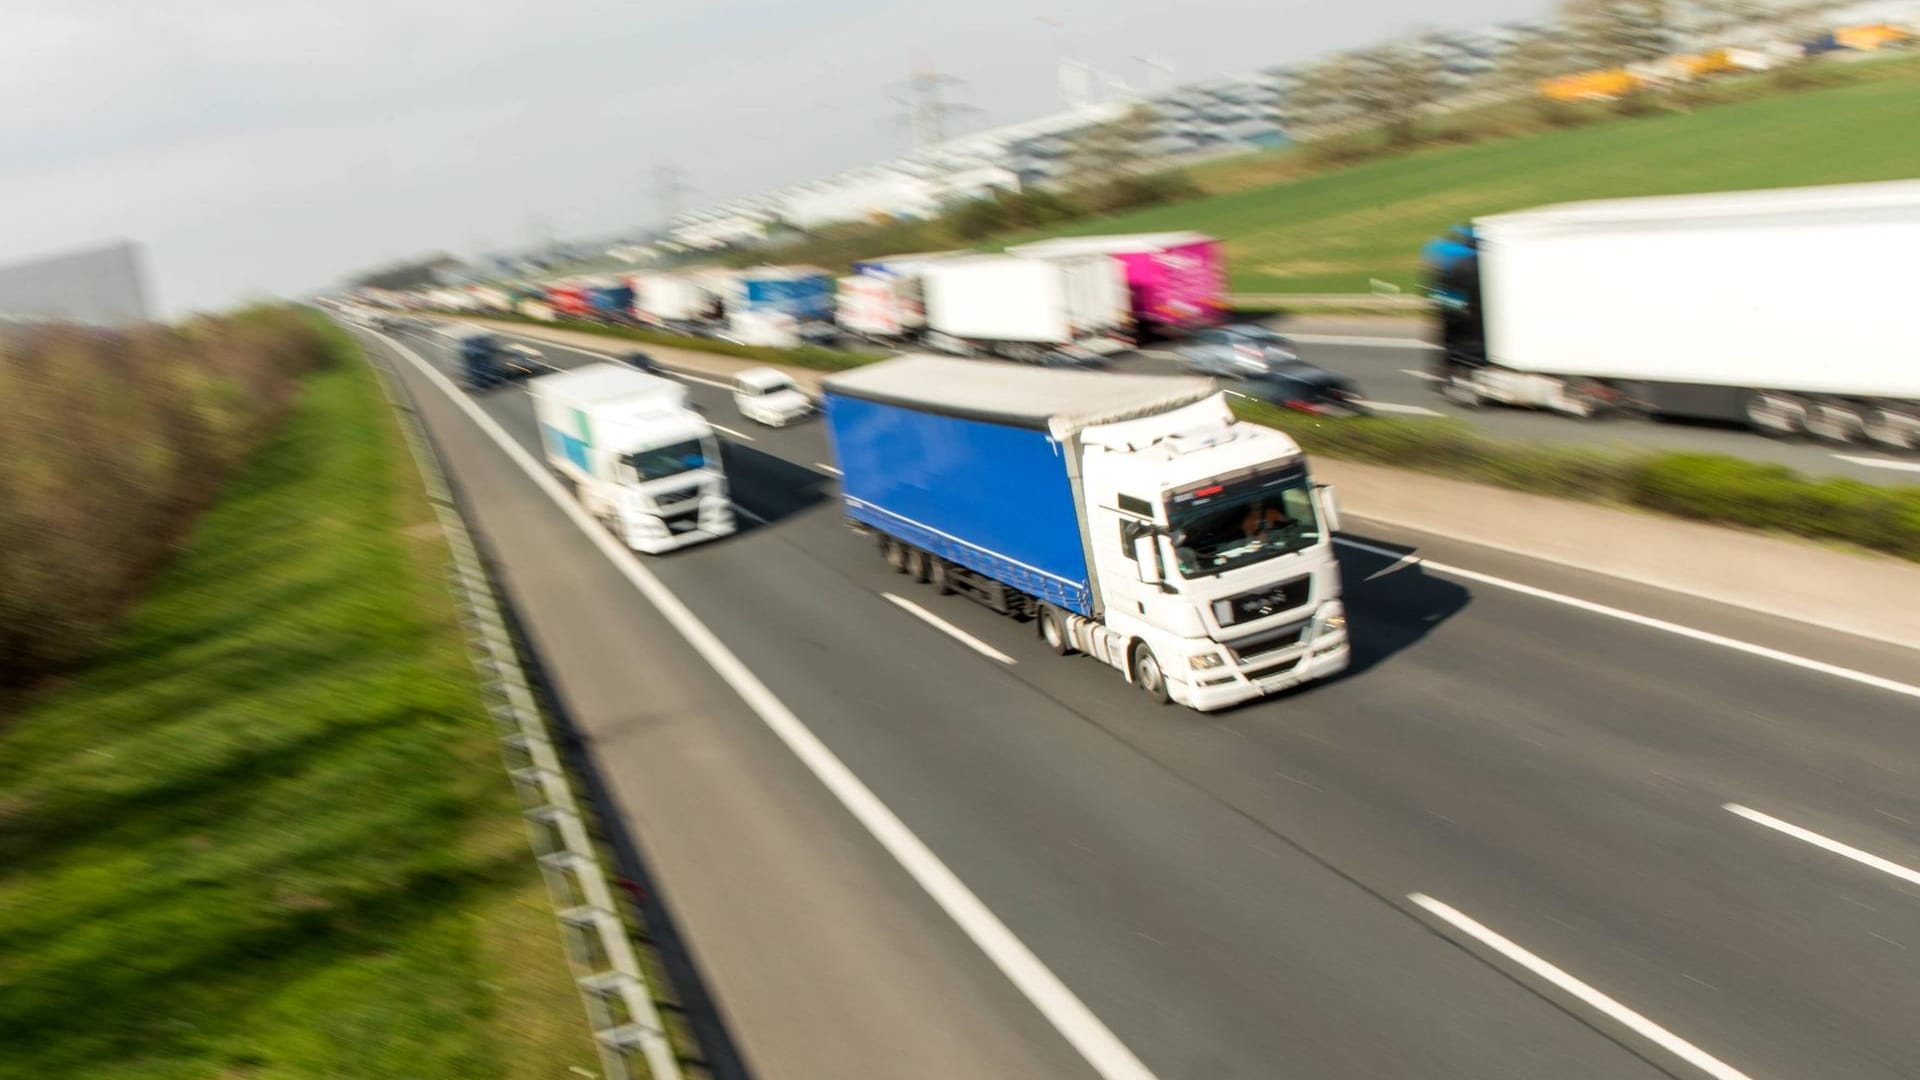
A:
x: 265, y: 832
x: 813, y: 357
x: 110, y: 445
x: 1705, y: 487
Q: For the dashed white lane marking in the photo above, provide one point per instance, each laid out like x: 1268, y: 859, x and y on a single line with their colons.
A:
x: 1861, y: 677
x: 949, y: 629
x: 1424, y: 376
x: 1360, y: 341
x: 1403, y: 410
x: 1640, y: 1025
x: 741, y: 435
x: 1881, y: 463
x: 1864, y: 858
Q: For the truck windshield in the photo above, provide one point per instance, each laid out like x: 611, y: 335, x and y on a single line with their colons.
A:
x: 668, y: 460
x: 1223, y: 526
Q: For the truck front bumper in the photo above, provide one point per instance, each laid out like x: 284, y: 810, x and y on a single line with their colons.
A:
x: 1211, y: 691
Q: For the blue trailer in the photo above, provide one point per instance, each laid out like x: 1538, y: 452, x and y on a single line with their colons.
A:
x: 804, y: 292
x: 1131, y: 517
x: 610, y: 303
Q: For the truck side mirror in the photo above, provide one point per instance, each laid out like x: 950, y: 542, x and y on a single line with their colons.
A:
x: 1146, y: 555
x: 1329, y: 509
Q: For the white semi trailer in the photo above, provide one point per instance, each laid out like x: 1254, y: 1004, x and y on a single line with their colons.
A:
x: 1788, y: 310
x: 640, y: 460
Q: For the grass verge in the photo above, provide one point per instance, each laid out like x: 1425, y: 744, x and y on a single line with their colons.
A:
x: 1704, y: 487
x: 266, y: 831
x: 1335, y: 231
x: 813, y: 357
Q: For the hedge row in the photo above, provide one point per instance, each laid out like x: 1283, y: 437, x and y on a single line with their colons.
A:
x: 1705, y: 487
x: 112, y: 444
x: 806, y: 356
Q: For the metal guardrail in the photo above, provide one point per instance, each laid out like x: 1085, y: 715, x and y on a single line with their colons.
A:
x: 628, y: 1031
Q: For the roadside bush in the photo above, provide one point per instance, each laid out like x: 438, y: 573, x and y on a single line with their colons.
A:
x: 1714, y: 488
x: 112, y: 442
x: 1705, y: 487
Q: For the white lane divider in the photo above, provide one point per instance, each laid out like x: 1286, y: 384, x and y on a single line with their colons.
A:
x: 1635, y: 1022
x: 1881, y: 463
x: 1748, y: 647
x: 1885, y: 866
x: 1403, y: 410
x: 825, y: 468
x: 741, y: 435
x: 1425, y: 376
x: 949, y: 629
x: 1360, y: 341
x: 1085, y: 1032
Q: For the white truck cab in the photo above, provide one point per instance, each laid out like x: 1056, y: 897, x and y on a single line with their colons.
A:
x: 638, y: 457
x: 769, y: 396
x: 1213, y: 547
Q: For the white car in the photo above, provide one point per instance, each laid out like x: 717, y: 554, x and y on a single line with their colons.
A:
x: 768, y: 396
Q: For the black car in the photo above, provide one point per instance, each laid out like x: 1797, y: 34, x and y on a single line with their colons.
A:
x: 1295, y: 384
x: 640, y: 361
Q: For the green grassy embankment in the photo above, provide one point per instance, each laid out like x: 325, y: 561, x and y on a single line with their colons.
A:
x: 1335, y: 231
x: 265, y: 831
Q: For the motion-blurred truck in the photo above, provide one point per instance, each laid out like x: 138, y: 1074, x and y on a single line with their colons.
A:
x: 639, y: 459
x: 669, y: 300
x: 1024, y: 307
x: 883, y: 299
x: 1130, y: 516
x: 1177, y: 282
x: 1790, y: 311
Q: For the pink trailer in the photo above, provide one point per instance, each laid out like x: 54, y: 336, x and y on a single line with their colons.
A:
x: 1178, y: 280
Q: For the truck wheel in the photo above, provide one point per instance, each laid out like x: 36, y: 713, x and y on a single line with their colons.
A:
x: 1053, y: 630
x: 1836, y: 423
x: 895, y: 553
x: 1778, y: 415
x: 1148, y: 676
x: 915, y: 564
x: 1893, y: 430
x: 1460, y: 390
x: 940, y: 575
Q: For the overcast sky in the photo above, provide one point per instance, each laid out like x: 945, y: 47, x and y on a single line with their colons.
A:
x: 271, y: 146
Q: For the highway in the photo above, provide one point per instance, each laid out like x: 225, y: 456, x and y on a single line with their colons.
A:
x: 1391, y: 369
x: 1502, y: 846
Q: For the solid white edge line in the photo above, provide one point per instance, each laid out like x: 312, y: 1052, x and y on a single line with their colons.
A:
x: 1088, y: 1035
x: 949, y: 629
x: 1865, y: 679
x: 1864, y: 858
x: 1880, y: 463
x: 825, y: 468
x: 741, y: 435
x: 1642, y: 1026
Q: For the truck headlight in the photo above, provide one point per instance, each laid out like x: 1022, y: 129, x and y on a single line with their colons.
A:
x: 1335, y: 622
x: 1332, y: 618
x: 1206, y: 661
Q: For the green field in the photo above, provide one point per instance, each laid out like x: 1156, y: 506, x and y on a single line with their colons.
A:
x: 267, y: 833
x: 1331, y: 233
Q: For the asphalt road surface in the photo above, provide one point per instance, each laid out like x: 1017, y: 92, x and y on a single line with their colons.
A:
x: 1501, y: 846
x: 1392, y: 371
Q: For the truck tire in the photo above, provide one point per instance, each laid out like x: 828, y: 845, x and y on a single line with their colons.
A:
x: 1893, y: 430
x: 940, y: 575
x: 1780, y: 416
x: 895, y: 553
x: 1052, y: 627
x: 1147, y: 674
x: 915, y: 564
x: 1460, y: 390
x: 1838, y: 422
